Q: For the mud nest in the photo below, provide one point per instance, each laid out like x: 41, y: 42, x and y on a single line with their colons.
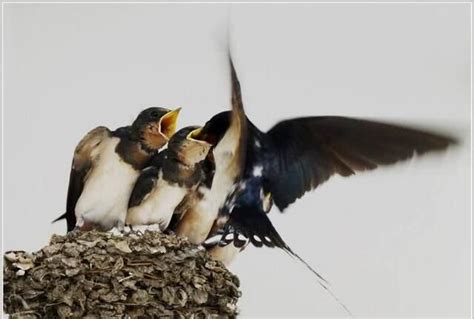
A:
x: 101, y: 275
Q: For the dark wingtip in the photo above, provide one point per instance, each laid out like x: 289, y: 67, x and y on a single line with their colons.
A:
x: 445, y: 139
x: 436, y: 142
x: 452, y: 141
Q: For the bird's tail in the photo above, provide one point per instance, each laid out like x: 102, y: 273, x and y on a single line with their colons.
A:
x: 255, y: 225
x: 70, y: 218
x: 323, y: 282
x: 63, y: 216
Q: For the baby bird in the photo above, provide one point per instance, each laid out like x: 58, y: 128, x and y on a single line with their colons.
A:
x: 106, y: 165
x: 175, y: 173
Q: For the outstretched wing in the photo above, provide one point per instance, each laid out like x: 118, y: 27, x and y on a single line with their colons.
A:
x: 85, y: 155
x: 307, y: 151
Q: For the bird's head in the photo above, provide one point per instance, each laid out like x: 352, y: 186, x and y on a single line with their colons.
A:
x: 215, y: 128
x: 188, y: 146
x: 155, y: 126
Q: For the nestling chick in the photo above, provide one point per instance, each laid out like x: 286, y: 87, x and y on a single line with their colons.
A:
x: 175, y: 173
x: 106, y: 165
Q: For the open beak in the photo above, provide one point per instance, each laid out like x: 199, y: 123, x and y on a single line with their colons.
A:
x: 194, y: 149
x: 168, y: 122
x: 199, y: 135
x: 196, y: 136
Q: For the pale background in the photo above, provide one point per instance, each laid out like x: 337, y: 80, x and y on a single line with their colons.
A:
x: 395, y: 242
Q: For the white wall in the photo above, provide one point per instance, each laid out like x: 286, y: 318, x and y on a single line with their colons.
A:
x: 392, y: 242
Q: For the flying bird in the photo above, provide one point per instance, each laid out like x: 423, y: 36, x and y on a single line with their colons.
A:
x: 174, y: 174
x: 297, y: 155
x: 106, y: 165
x: 292, y: 158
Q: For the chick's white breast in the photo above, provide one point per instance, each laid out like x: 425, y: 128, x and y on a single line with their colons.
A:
x: 158, y: 206
x: 104, y: 200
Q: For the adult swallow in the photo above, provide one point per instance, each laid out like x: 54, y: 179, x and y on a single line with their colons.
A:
x: 174, y: 173
x: 106, y: 165
x: 294, y: 157
x: 298, y: 155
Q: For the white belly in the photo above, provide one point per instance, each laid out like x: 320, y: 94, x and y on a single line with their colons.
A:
x: 104, y: 200
x: 159, y: 206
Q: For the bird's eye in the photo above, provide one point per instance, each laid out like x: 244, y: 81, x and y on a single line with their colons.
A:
x: 154, y: 114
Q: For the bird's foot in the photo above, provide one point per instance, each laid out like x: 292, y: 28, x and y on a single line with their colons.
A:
x: 141, y: 229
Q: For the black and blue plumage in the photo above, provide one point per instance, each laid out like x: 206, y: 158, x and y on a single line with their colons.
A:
x: 297, y: 155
